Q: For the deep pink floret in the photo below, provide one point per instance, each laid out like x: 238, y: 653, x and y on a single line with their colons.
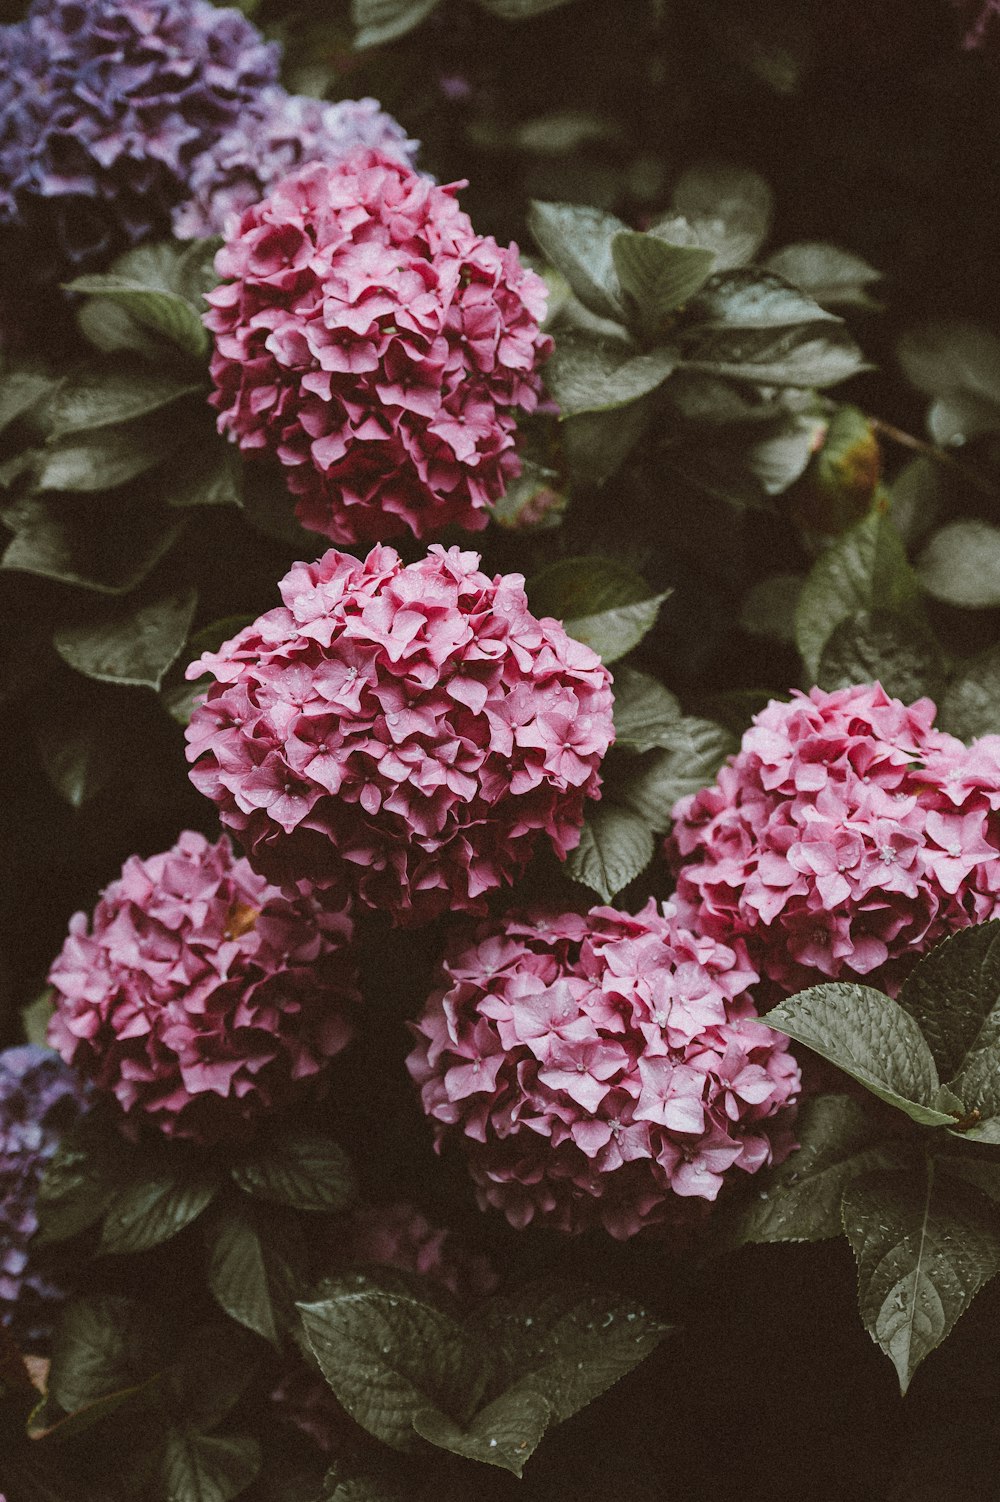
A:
x: 405, y: 732
x: 200, y: 998
x: 844, y: 839
x: 379, y: 347
x: 596, y: 1069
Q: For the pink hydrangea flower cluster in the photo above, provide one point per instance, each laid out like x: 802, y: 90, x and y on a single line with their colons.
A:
x: 406, y: 732
x: 200, y: 998
x: 595, y: 1068
x: 844, y: 839
x: 379, y: 347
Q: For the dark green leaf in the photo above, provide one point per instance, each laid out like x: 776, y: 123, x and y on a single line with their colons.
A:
x: 961, y: 565
x: 253, y: 1269
x: 35, y: 1017
x: 597, y: 444
x: 752, y: 299
x: 656, y: 277
x: 148, y: 1212
x: 106, y: 457
x: 106, y: 396
x: 389, y: 1356
x: 616, y: 846
x: 505, y: 1433
x: 576, y: 239
x: 870, y: 1037
x: 132, y: 641
x: 601, y: 601
x: 97, y: 544
x: 805, y: 356
x: 729, y: 208
x: 206, y: 1467
x: 160, y: 310
x: 835, y: 278
x: 646, y: 714
x: 924, y: 1246
x: 653, y: 784
x: 212, y: 477
x: 865, y: 569
x: 957, y: 418
x: 299, y: 1168
x: 873, y: 647
x: 592, y: 375
x: 103, y: 1344
x: 945, y: 356
x: 800, y: 1200
x: 954, y: 994
x: 384, y: 20
x: 21, y: 388
x: 521, y: 10
x: 768, y: 607
x: 89, y: 1166
x: 970, y: 706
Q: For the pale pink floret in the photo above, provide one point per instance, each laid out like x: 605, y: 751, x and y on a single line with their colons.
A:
x: 844, y: 839
x: 367, y: 337
x: 594, y: 1069
x: 405, y: 732
x: 199, y: 997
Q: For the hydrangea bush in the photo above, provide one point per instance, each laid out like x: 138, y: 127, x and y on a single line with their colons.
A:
x: 435, y: 983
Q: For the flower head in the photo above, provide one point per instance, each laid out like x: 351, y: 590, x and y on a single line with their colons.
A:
x: 406, y: 732
x: 368, y: 338
x: 845, y: 838
x: 280, y: 133
x: 594, y: 1069
x: 104, y: 105
x: 39, y: 1100
x: 199, y: 997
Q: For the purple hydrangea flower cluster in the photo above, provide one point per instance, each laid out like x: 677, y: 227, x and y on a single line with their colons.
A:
x: 39, y: 1099
x: 281, y: 133
x: 104, y: 106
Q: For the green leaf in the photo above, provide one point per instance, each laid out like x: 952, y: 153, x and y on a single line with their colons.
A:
x: 753, y: 299
x: 567, y: 1342
x: 21, y: 389
x: 729, y: 209
x: 961, y: 416
x: 924, y: 1249
x: 103, y: 1344
x: 212, y: 477
x: 149, y: 1212
x: 107, y: 396
x: 800, y: 1200
x: 576, y: 240
x: 870, y: 1037
x: 132, y: 641
x: 616, y: 846
x: 206, y: 1467
x: 597, y: 444
x: 252, y: 1269
x: 835, y: 278
x: 592, y: 375
x: 158, y: 309
x: 873, y: 647
x: 953, y: 995
x: 94, y: 543
x: 805, y: 356
x: 388, y: 1357
x: 521, y: 10
x: 970, y: 706
x: 943, y: 357
x: 384, y: 20
x: 505, y: 1433
x: 961, y: 565
x: 35, y: 1017
x: 769, y: 606
x: 88, y: 1167
x: 299, y: 1168
x: 646, y: 714
x: 601, y: 601
x: 656, y: 277
x: 865, y: 569
x: 103, y: 458
x: 651, y: 786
